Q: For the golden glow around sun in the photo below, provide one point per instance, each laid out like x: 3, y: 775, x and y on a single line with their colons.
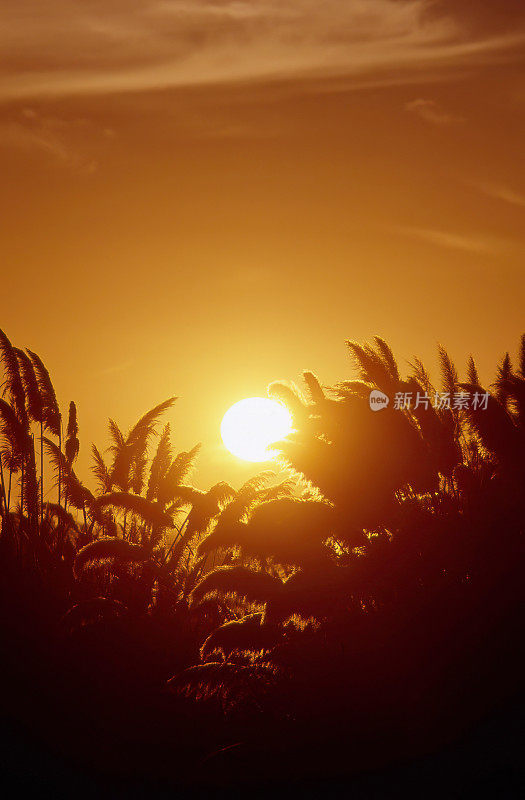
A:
x: 251, y: 425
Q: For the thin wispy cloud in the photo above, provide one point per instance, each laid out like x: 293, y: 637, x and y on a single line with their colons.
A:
x: 431, y: 111
x: 476, y: 244
x: 70, y: 143
x: 114, y: 369
x: 504, y: 193
x: 127, y: 45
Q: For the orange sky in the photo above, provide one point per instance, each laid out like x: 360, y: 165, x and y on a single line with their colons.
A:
x: 201, y: 197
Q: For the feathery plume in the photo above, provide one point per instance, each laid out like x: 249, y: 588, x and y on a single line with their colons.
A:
x: 388, y: 357
x: 522, y: 357
x: 103, y: 549
x: 160, y: 463
x: 501, y: 383
x: 289, y: 395
x: 255, y: 586
x: 179, y: 470
x: 72, y: 445
x: 64, y: 517
x: 13, y: 381
x: 449, y: 374
x: 472, y: 372
x: 51, y: 412
x: 314, y: 387
x: 15, y: 432
x: 100, y: 471
x: 78, y: 495
x: 370, y: 365
x: 420, y: 374
x: 129, y: 454
x: 35, y: 406
x: 150, y: 512
x: 230, y: 684
x: 247, y: 633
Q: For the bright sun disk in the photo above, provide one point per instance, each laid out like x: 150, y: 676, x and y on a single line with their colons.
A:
x: 251, y: 425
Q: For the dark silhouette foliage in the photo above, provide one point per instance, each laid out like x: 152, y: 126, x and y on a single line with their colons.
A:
x: 367, y: 601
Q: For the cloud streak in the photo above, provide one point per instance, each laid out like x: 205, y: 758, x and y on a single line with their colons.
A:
x: 476, y: 244
x: 432, y: 112
x: 70, y: 143
x: 503, y: 193
x: 99, y: 47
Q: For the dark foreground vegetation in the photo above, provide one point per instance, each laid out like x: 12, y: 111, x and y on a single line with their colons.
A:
x: 362, y: 616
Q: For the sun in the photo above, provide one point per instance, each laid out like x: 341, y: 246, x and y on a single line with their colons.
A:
x: 251, y: 425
